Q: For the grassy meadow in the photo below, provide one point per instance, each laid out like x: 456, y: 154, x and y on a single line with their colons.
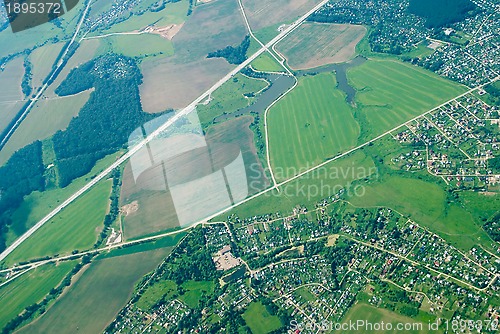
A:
x: 259, y: 320
x: 266, y: 63
x: 30, y: 288
x: 374, y: 315
x: 233, y: 95
x: 45, y: 119
x: 76, y: 227
x: 309, y: 125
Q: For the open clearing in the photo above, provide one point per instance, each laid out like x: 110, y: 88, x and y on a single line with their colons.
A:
x: 156, y: 210
x: 30, y: 288
x: 390, y: 93
x: 374, y: 315
x: 266, y: 63
x: 259, y: 320
x: 45, y: 119
x: 76, y: 227
x: 10, y: 91
x: 425, y: 203
x: 94, y: 300
x: 309, y: 125
x: 142, y: 45
x: 43, y: 59
x: 175, y: 81
x: 316, y: 44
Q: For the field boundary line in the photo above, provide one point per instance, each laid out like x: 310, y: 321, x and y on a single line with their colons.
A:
x: 187, y: 110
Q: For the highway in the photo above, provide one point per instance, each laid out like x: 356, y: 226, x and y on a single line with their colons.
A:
x: 46, y: 85
x: 191, y: 107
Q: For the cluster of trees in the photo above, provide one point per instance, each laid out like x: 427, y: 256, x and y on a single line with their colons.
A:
x: 492, y: 227
x: 103, y: 125
x: 28, y: 74
x: 233, y: 55
x: 494, y: 90
x: 439, y: 13
x: 20, y: 176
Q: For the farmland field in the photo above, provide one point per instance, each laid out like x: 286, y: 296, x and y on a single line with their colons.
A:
x: 10, y: 91
x: 46, y: 117
x: 88, y: 49
x: 375, y: 315
x: 390, y: 93
x: 317, y: 44
x: 175, y: 81
x: 310, y: 124
x: 93, y: 301
x: 38, y: 204
x: 43, y: 59
x: 30, y: 288
x: 259, y: 320
x: 76, y: 227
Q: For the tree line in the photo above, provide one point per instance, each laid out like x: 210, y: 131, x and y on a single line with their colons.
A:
x: 104, y: 123
x: 233, y: 55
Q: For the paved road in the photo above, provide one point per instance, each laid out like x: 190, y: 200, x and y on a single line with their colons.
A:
x: 154, y: 134
x: 45, y: 86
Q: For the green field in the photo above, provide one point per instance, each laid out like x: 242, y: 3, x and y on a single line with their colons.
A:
x: 43, y: 59
x: 155, y: 292
x: 230, y: 97
x: 30, y: 288
x: 309, y: 188
x: 174, y: 13
x: 390, y: 93
x: 45, y: 119
x: 266, y: 63
x: 94, y: 300
x: 259, y: 320
x: 194, y: 290
x: 426, y: 204
x: 87, y: 50
x: 373, y: 315
x: 76, y: 227
x: 140, y: 45
x: 10, y: 91
x: 310, y: 124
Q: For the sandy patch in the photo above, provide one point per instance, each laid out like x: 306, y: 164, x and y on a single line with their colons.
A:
x: 167, y: 32
x: 130, y: 208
